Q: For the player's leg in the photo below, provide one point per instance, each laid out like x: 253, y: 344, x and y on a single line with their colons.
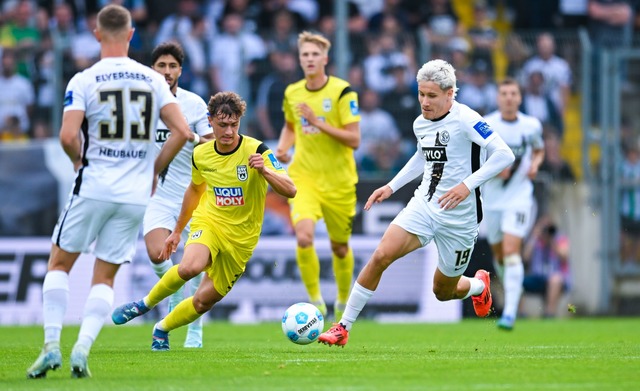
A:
x: 73, y: 234
x: 55, y: 296
x: 116, y: 244
x: 513, y: 279
x: 492, y: 221
x: 338, y: 213
x: 455, y: 246
x: 554, y: 289
x: 305, y: 212
x: 395, y: 243
x: 194, y: 333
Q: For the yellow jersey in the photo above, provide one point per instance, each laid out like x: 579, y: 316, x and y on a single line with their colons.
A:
x: 318, y: 157
x: 235, y: 197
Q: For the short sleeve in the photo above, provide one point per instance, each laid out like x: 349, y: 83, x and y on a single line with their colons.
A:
x: 74, y: 96
x: 348, y: 106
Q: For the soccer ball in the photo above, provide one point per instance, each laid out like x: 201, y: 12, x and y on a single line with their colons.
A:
x: 302, y: 323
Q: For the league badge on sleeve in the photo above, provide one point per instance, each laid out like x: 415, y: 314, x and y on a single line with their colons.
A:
x: 275, y: 162
x: 68, y: 98
x: 483, y: 129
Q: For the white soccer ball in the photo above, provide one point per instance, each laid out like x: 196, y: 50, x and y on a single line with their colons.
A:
x: 302, y: 323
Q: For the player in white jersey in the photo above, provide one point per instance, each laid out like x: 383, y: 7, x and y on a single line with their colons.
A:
x: 164, y: 208
x: 114, y: 159
x: 508, y: 198
x: 450, y: 138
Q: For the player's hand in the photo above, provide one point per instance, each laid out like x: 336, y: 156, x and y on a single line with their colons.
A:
x: 379, y: 195
x: 256, y: 161
x: 305, y: 111
x: 283, y: 156
x: 533, y: 172
x: 454, y: 197
x: 77, y: 165
x: 170, y: 245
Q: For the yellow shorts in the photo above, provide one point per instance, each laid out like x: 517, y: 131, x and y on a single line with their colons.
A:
x: 337, y: 209
x: 228, y: 258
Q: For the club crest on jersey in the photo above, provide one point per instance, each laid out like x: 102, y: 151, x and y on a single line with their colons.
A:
x: 196, y: 235
x: 444, y: 137
x: 229, y: 196
x: 483, y: 129
x: 243, y: 174
x: 326, y: 105
x: 435, y: 154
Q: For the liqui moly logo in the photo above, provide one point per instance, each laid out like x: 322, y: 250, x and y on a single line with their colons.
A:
x: 229, y: 196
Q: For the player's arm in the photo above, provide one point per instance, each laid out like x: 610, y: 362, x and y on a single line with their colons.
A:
x: 286, y: 141
x: 70, y: 138
x: 537, y: 157
x: 279, y: 182
x: 190, y: 201
x: 172, y: 116
x: 349, y: 135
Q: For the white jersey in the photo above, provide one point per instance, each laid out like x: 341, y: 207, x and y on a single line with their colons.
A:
x: 175, y: 178
x: 523, y: 136
x: 451, y: 148
x: 121, y: 99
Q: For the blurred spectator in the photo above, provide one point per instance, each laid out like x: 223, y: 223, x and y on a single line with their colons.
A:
x: 356, y: 78
x: 282, y: 35
x: 402, y: 103
x: 392, y: 9
x: 630, y: 206
x: 16, y: 100
x: 20, y: 34
x: 483, y: 37
x: 377, y: 126
x: 480, y: 93
x: 249, y: 9
x: 517, y: 54
x: 195, y: 72
x: 546, y: 253
x: 441, y: 25
x: 233, y: 56
x: 179, y: 25
x: 85, y: 47
x: 573, y: 13
x: 269, y: 8
x: 459, y: 50
x: 384, y: 57
x: 356, y: 28
x: 537, y: 103
x: 535, y: 15
x: 270, y: 93
x: 554, y: 164
x: 556, y: 71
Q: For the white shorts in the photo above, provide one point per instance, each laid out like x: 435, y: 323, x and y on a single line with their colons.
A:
x: 160, y: 215
x: 112, y: 226
x: 455, y: 244
x: 515, y: 221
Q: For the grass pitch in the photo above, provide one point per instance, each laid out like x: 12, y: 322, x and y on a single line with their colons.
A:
x: 570, y: 354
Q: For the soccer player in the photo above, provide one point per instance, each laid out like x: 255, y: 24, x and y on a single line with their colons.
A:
x: 121, y: 100
x: 323, y: 121
x: 508, y: 197
x: 226, y: 198
x: 163, y: 210
x: 450, y: 137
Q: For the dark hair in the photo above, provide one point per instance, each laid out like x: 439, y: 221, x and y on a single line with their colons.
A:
x: 171, y: 48
x: 228, y: 104
x: 114, y: 18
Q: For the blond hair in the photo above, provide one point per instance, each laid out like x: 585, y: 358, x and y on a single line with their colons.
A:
x: 317, y: 39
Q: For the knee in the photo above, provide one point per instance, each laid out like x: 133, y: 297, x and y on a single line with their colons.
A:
x: 203, y: 305
x: 381, y: 259
x: 340, y: 250
x: 187, y: 271
x: 304, y: 238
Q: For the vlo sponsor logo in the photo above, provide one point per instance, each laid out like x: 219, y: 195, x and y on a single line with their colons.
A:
x: 229, y: 196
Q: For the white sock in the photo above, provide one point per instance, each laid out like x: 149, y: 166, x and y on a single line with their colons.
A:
x: 55, y: 296
x: 357, y: 300
x: 97, y: 308
x: 513, y: 278
x: 476, y: 287
x: 161, y: 268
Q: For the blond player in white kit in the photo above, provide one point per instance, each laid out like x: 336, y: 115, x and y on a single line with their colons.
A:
x: 508, y: 198
x: 164, y: 208
x: 450, y: 137
x: 121, y: 101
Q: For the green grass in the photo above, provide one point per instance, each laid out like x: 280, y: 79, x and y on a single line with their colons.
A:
x: 570, y: 354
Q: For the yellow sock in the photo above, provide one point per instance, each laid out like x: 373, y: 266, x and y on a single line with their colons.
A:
x: 343, y: 270
x: 183, y: 314
x: 168, y: 284
x: 309, y: 265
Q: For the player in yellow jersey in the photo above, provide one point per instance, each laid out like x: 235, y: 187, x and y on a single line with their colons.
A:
x: 323, y: 121
x: 225, y: 202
